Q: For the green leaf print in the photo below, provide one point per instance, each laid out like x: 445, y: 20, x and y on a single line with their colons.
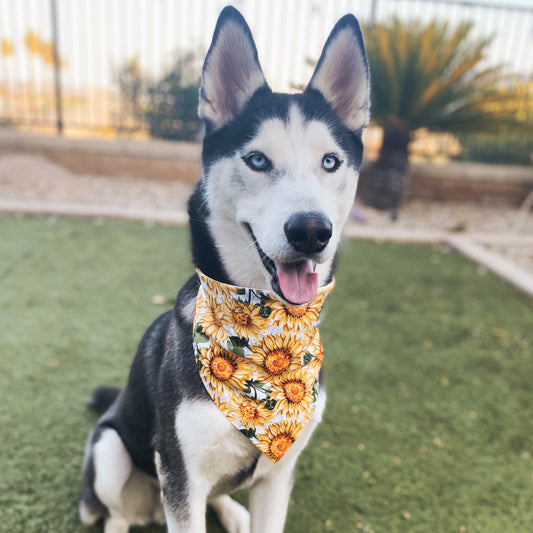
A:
x: 253, y: 386
x: 265, y: 311
x: 308, y: 357
x: 315, y: 389
x: 249, y: 433
x: 200, y: 337
x: 238, y: 341
x: 236, y: 345
x: 270, y: 404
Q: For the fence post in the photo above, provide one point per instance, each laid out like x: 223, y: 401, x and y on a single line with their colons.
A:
x: 57, y: 68
x: 373, y: 9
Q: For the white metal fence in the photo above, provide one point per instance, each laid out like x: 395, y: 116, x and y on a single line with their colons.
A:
x: 95, y: 38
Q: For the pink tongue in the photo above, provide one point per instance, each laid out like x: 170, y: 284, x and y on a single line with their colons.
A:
x: 297, y: 281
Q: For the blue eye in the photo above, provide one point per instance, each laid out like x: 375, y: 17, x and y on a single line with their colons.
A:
x: 257, y: 161
x: 330, y: 162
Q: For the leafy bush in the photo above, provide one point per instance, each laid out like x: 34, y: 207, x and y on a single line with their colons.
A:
x: 173, y: 102
x: 433, y: 76
x: 498, y: 148
x: 131, y: 86
x: 168, y: 106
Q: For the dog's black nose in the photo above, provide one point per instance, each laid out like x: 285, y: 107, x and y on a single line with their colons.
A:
x: 308, y: 233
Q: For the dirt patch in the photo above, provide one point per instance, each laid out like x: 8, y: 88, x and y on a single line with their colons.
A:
x: 35, y: 178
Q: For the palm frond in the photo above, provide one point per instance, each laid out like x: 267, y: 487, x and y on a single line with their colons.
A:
x: 432, y: 76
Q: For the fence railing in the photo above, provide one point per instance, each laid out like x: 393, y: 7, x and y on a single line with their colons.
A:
x: 69, y: 77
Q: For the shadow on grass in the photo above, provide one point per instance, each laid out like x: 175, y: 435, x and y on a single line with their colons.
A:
x: 428, y: 361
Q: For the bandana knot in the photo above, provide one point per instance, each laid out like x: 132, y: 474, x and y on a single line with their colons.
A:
x: 259, y: 360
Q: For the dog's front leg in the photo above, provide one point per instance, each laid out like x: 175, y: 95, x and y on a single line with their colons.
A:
x: 183, y: 498
x: 187, y: 515
x: 269, y: 500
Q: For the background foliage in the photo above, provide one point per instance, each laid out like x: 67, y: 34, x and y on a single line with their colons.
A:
x: 434, y: 76
x: 168, y: 106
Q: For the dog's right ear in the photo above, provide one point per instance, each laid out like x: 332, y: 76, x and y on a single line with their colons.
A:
x: 231, y: 73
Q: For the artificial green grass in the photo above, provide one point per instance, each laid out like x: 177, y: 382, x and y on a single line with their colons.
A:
x: 429, y: 370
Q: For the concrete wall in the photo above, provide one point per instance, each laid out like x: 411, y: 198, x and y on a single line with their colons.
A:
x: 465, y: 181
x: 158, y: 160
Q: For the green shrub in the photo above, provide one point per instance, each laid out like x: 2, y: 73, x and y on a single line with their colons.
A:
x: 172, y: 110
x: 168, y: 106
x: 498, y: 148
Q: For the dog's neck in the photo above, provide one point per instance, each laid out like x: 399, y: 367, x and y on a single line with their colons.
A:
x: 204, y: 251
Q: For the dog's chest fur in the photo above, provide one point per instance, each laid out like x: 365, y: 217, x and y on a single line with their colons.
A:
x: 226, y: 459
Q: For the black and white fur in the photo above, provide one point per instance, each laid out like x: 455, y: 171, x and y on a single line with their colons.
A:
x: 279, y: 177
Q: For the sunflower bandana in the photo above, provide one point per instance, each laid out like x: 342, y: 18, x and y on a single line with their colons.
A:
x: 259, y: 360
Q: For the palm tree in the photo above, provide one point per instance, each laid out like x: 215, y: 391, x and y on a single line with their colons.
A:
x: 426, y: 76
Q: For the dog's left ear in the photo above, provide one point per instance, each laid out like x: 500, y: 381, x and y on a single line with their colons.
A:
x: 342, y: 74
x: 231, y: 73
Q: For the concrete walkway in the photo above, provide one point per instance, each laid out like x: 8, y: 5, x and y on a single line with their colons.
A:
x: 470, y: 245
x: 171, y: 218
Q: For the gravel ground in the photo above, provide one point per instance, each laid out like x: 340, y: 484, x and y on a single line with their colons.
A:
x: 32, y: 178
x: 464, y: 217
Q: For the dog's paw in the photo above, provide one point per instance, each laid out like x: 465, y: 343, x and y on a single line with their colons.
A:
x: 232, y: 515
x: 116, y: 524
x: 87, y: 516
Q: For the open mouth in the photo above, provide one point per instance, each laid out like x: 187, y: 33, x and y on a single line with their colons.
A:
x: 296, y: 282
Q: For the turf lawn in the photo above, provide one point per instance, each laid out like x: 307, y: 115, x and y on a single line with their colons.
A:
x: 428, y: 360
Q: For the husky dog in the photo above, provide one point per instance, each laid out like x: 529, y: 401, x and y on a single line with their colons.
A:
x: 279, y: 178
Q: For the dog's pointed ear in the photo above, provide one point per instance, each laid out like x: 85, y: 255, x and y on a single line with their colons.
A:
x: 342, y: 74
x: 231, y: 72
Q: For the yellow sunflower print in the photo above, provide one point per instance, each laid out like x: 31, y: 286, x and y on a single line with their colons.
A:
x: 250, y: 413
x: 259, y: 360
x: 210, y: 316
x: 245, y: 319
x: 220, y: 370
x: 315, y: 352
x: 278, y: 438
x: 298, y: 317
x: 213, y: 289
x: 293, y: 392
x: 277, y: 354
